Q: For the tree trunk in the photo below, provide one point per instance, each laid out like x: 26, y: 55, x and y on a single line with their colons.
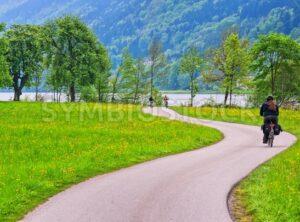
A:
x: 226, y: 95
x: 136, y: 92
x: 113, y: 98
x: 192, y: 91
x: 99, y: 93
x: 273, y: 83
x: 230, y: 91
x: 17, y: 94
x: 273, y: 76
x: 152, y: 77
x: 72, y: 92
x: 17, y: 91
x: 135, y: 97
x: 59, y: 94
x: 36, y: 93
x: 54, y: 95
x: 151, y: 87
x: 230, y: 99
x: 113, y: 93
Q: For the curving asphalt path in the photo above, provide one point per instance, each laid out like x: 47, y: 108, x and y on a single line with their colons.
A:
x: 188, y: 187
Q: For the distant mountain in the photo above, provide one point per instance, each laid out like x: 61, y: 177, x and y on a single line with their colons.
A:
x: 179, y: 23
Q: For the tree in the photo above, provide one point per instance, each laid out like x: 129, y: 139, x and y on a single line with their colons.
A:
x: 25, y: 55
x: 140, y: 80
x: 115, y: 82
x: 190, y: 64
x: 288, y: 84
x: 5, y: 78
x: 103, y: 66
x: 57, y: 76
x: 157, y: 62
x: 236, y: 63
x: 36, y: 82
x: 228, y: 64
x: 128, y: 70
x: 88, y: 93
x: 134, y: 78
x: 276, y: 61
x: 76, y: 52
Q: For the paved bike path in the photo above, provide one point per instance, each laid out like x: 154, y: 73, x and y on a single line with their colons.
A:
x: 188, y: 187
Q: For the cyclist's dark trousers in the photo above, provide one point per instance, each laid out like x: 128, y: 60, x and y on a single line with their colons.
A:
x: 269, y: 119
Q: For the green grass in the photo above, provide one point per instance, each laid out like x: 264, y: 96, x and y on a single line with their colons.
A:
x: 45, y: 148
x: 272, y: 192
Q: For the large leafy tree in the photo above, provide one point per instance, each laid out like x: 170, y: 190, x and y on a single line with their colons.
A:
x: 5, y: 78
x: 276, y: 61
x: 190, y: 64
x: 228, y: 64
x: 288, y: 84
x: 236, y: 63
x: 25, y: 55
x: 75, y: 53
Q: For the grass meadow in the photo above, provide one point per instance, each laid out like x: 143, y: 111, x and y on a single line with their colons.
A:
x: 272, y: 192
x: 47, y: 147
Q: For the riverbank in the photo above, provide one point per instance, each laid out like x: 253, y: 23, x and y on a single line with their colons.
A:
x: 175, y: 99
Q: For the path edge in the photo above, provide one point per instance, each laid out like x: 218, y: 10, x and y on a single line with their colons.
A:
x: 232, y: 195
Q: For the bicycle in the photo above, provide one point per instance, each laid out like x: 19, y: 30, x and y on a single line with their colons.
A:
x: 271, y: 135
x: 166, y: 104
x: 166, y: 101
x: 151, y: 101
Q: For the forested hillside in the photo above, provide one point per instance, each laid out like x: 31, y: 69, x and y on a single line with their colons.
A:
x: 179, y: 23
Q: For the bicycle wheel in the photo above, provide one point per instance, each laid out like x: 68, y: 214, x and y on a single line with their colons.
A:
x: 271, y: 138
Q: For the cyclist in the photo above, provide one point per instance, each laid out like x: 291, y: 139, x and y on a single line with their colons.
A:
x: 151, y: 100
x: 166, y: 101
x: 270, y: 111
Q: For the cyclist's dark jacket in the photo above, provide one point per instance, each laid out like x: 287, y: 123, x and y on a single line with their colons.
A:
x: 265, y: 111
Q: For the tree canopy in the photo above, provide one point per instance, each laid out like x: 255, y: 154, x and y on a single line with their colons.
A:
x: 5, y: 78
x: 25, y: 55
x: 228, y: 64
x: 190, y: 64
x: 75, y: 56
x: 276, y: 61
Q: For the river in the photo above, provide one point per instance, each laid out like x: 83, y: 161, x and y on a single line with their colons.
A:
x: 175, y: 99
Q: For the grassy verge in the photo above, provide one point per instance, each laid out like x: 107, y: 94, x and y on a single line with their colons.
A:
x: 272, y: 192
x: 45, y: 148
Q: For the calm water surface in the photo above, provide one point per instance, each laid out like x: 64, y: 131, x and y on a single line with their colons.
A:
x: 175, y: 99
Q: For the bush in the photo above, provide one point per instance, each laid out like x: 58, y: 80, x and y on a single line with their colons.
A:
x: 88, y: 94
x: 158, y: 98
